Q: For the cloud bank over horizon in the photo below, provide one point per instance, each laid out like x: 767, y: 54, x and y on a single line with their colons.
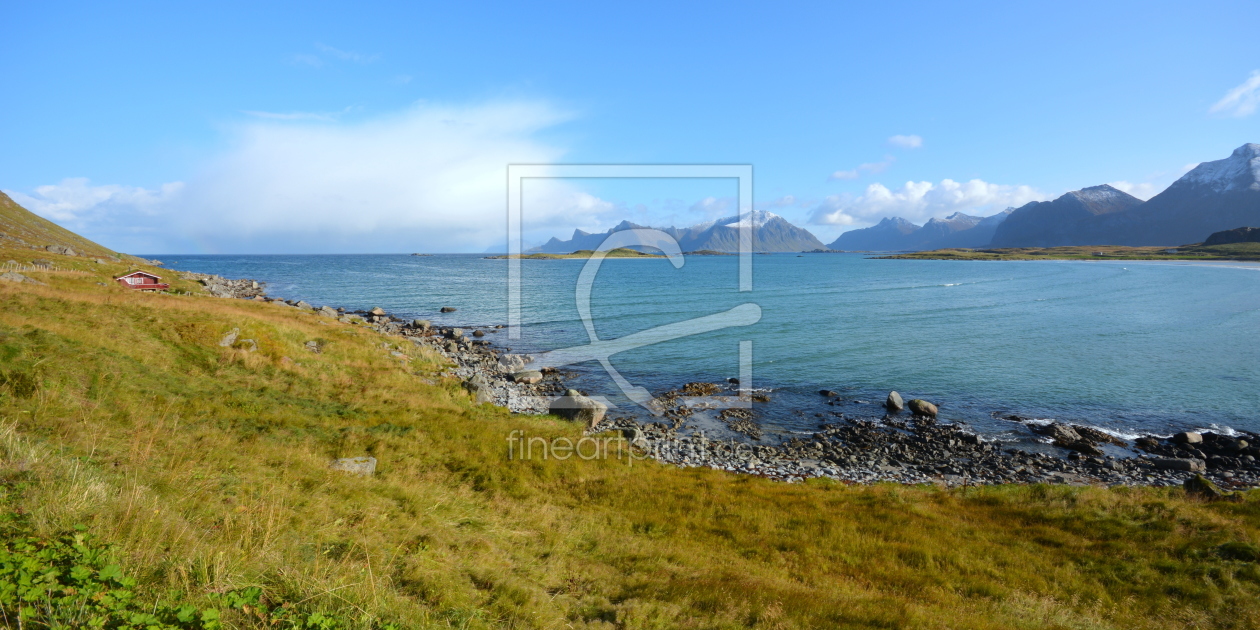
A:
x: 431, y: 178
x: 920, y: 201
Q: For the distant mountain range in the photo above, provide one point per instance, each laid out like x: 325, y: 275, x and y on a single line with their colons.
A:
x: 955, y: 230
x: 771, y: 233
x: 1212, y: 197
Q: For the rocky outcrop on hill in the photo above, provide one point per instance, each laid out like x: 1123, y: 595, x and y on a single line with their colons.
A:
x: 218, y: 286
x: 1236, y: 235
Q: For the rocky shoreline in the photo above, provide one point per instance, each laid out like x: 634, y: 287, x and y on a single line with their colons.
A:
x: 909, y: 447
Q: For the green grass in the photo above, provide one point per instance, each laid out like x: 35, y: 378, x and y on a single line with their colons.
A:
x: 206, y: 470
x: 1234, y: 251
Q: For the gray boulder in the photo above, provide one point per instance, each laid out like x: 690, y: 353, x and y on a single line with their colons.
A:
x: 578, y: 408
x: 1177, y: 463
x: 304, y: 305
x: 480, y: 388
x: 1203, y: 488
x: 361, y: 466
x: 13, y: 276
x: 447, y: 309
x: 230, y: 338
x: 328, y: 311
x: 455, y: 333
x: 894, y: 402
x: 421, y: 324
x: 378, y: 311
x: 1188, y: 437
x: 528, y: 377
x: 61, y: 249
x: 921, y: 407
x: 1060, y: 432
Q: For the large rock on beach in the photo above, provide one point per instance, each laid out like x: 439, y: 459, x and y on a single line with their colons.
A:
x: 361, y: 466
x: 1178, y: 463
x: 378, y: 311
x: 894, y: 402
x: 1188, y: 437
x: 528, y: 377
x: 574, y: 406
x: 920, y: 407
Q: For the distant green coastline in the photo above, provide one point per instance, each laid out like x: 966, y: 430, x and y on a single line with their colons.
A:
x: 1232, y: 251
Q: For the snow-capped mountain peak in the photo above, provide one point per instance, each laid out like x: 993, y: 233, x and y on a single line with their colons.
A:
x: 1240, y: 170
x: 1096, y: 194
x: 759, y: 219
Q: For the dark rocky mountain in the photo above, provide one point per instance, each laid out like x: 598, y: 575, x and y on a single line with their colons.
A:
x: 771, y: 233
x: 897, y: 234
x: 888, y: 234
x: 1214, y: 196
x: 1236, y: 235
x: 1064, y: 221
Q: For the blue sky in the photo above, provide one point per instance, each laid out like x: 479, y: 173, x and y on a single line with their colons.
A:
x: 338, y: 127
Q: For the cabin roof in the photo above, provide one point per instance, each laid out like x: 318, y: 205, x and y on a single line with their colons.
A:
x: 139, y: 273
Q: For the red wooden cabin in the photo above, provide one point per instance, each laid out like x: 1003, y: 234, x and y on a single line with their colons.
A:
x: 142, y: 281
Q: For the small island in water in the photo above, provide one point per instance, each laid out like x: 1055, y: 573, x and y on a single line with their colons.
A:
x: 621, y: 252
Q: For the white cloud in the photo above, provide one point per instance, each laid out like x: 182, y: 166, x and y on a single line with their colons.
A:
x: 919, y: 201
x: 1142, y: 190
x: 714, y: 207
x: 327, y: 117
x: 74, y: 201
x: 309, y: 60
x: 1242, y: 100
x: 428, y: 178
x: 872, y: 168
x: 346, y: 55
x: 906, y: 142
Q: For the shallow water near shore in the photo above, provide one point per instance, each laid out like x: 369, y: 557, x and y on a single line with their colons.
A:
x: 1130, y: 347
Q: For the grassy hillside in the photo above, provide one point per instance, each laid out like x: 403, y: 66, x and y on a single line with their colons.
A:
x: 24, y: 230
x: 206, y: 468
x: 1233, y: 251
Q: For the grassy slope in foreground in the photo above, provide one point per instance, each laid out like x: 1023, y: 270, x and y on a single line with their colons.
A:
x: 1233, y: 251
x: 620, y: 252
x: 207, y: 466
x: 20, y: 227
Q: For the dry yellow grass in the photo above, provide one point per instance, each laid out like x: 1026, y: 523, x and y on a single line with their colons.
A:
x: 208, y: 466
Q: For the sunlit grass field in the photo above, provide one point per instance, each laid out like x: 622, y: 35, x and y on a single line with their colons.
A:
x: 207, y: 467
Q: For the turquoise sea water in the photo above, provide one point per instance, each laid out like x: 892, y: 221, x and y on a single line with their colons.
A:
x: 1129, y: 346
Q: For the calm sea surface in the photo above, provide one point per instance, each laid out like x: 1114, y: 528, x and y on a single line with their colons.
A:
x: 1128, y: 346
